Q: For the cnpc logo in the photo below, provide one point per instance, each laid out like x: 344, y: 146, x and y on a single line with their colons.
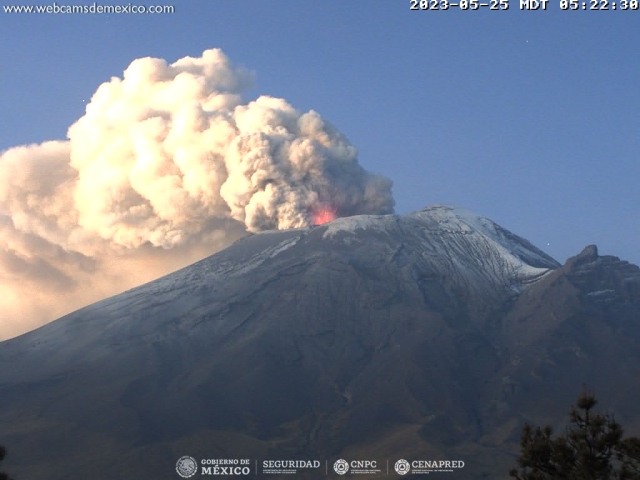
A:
x: 341, y: 467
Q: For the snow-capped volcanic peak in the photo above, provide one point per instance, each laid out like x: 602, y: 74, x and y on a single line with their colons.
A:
x: 483, y: 245
x: 460, y: 220
x: 453, y: 241
x: 457, y: 219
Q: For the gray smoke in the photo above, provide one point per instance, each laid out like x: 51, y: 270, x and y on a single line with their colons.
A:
x: 167, y: 165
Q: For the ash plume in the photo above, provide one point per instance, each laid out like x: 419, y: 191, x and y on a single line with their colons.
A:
x: 168, y: 164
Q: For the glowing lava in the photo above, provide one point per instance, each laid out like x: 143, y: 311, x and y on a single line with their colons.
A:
x: 323, y: 214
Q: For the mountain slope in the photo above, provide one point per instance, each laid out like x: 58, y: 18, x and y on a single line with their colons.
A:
x: 390, y: 336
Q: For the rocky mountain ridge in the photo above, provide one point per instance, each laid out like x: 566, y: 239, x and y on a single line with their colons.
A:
x: 429, y: 335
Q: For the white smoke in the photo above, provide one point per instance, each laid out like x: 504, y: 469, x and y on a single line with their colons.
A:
x: 168, y: 156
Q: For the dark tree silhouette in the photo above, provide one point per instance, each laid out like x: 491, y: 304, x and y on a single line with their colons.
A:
x: 3, y: 453
x: 593, y: 448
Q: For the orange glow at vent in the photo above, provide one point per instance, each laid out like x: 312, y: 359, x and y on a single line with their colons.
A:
x: 323, y: 214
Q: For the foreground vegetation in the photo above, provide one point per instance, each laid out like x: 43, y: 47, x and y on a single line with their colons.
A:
x: 593, y: 448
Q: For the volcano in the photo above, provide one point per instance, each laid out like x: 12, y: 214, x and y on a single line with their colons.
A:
x: 433, y: 335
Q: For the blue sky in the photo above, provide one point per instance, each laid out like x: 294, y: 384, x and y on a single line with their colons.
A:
x: 529, y: 118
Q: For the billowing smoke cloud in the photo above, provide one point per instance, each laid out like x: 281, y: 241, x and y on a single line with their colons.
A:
x: 167, y: 165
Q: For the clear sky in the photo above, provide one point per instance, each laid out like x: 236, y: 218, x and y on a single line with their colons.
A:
x: 527, y: 117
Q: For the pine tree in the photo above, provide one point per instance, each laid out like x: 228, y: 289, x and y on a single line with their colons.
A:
x: 3, y: 453
x: 593, y: 448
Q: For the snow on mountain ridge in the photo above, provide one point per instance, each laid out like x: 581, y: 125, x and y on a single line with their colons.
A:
x: 440, y: 235
x: 356, y: 222
x: 439, y: 250
x: 462, y: 220
x: 467, y: 246
x: 445, y: 219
